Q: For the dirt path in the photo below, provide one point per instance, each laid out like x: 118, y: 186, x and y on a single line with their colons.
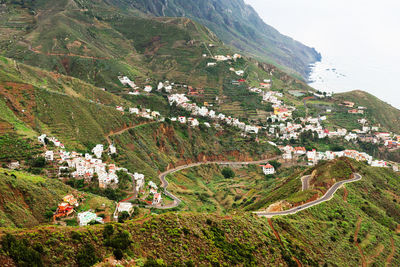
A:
x: 273, y: 230
x: 363, y: 260
x: 391, y: 255
x: 124, y: 130
x: 346, y: 193
x: 280, y: 241
x: 64, y: 55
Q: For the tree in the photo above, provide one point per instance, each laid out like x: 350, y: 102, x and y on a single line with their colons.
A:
x: 275, y: 163
x: 228, y: 173
x: 118, y: 254
x: 123, y: 217
x: 87, y: 256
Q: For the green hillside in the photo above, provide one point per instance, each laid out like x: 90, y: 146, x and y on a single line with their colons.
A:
x: 362, y: 218
x: 238, y: 25
x: 378, y: 111
x: 29, y: 200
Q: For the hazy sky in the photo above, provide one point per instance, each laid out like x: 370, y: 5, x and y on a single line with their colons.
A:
x: 360, y: 36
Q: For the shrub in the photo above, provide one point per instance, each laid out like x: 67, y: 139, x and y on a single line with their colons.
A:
x: 228, y: 173
x: 108, y: 230
x: 118, y: 254
x: 123, y: 217
x: 21, y: 252
x: 86, y: 257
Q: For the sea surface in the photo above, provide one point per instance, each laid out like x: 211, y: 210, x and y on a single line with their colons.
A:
x: 359, y: 41
x: 334, y: 75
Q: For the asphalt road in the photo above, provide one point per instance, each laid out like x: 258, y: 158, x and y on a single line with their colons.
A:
x: 177, y: 201
x: 305, y: 181
x: 328, y: 195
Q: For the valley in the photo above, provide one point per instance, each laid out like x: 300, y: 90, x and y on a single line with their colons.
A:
x: 131, y: 138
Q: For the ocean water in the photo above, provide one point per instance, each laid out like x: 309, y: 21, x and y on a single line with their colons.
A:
x: 378, y: 78
x: 359, y: 41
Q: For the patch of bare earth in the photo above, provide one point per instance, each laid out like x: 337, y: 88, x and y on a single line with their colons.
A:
x: 363, y: 260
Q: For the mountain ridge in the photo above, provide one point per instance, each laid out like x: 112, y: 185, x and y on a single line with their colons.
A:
x: 244, y: 30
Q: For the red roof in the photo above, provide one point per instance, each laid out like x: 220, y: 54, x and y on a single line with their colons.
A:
x: 267, y: 166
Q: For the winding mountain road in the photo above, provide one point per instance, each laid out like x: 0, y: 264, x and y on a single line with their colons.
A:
x: 305, y: 184
x: 328, y: 195
x: 177, y: 201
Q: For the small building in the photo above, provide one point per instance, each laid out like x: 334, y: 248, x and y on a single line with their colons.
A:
x: 98, y: 150
x: 49, y: 155
x: 42, y: 139
x: 14, y: 165
x: 157, y: 199
x: 71, y: 200
x: 125, y: 206
x: 268, y: 169
x: 113, y: 149
x: 84, y: 218
x: 148, y: 88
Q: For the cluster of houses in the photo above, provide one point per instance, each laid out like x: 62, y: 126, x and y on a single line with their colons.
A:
x: 142, y: 112
x: 220, y: 58
x: 314, y: 156
x: 156, y: 195
x: 66, y: 208
x: 127, y: 82
x: 182, y: 101
x: 85, y: 166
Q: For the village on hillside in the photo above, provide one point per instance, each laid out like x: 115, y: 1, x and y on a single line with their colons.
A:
x: 281, y: 130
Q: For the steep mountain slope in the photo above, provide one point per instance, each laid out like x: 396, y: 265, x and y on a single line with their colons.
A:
x: 239, y: 25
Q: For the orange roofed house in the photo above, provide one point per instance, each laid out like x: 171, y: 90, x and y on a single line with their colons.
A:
x: 268, y: 169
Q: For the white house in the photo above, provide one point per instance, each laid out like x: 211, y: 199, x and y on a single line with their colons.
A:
x: 126, y: 81
x: 86, y: 217
x: 239, y: 72
x: 157, y: 199
x: 139, y: 180
x: 148, y: 88
x: 42, y: 139
x: 268, y: 169
x: 133, y: 110
x: 119, y: 108
x: 98, y: 150
x: 251, y: 129
x: 125, y: 206
x: 113, y: 149
x: 378, y: 163
x: 193, y: 122
x: 211, y: 64
x: 182, y: 119
x: 49, y: 155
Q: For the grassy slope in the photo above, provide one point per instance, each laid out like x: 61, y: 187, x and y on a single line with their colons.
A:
x: 328, y: 229
x: 319, y: 235
x: 157, y: 147
x: 25, y: 198
x: 378, y: 112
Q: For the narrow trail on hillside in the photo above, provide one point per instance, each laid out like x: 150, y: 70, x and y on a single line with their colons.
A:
x: 391, y: 255
x: 124, y: 130
x: 363, y: 260
x: 345, y: 194
x: 274, y: 231
x: 65, y: 55
x: 280, y: 241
